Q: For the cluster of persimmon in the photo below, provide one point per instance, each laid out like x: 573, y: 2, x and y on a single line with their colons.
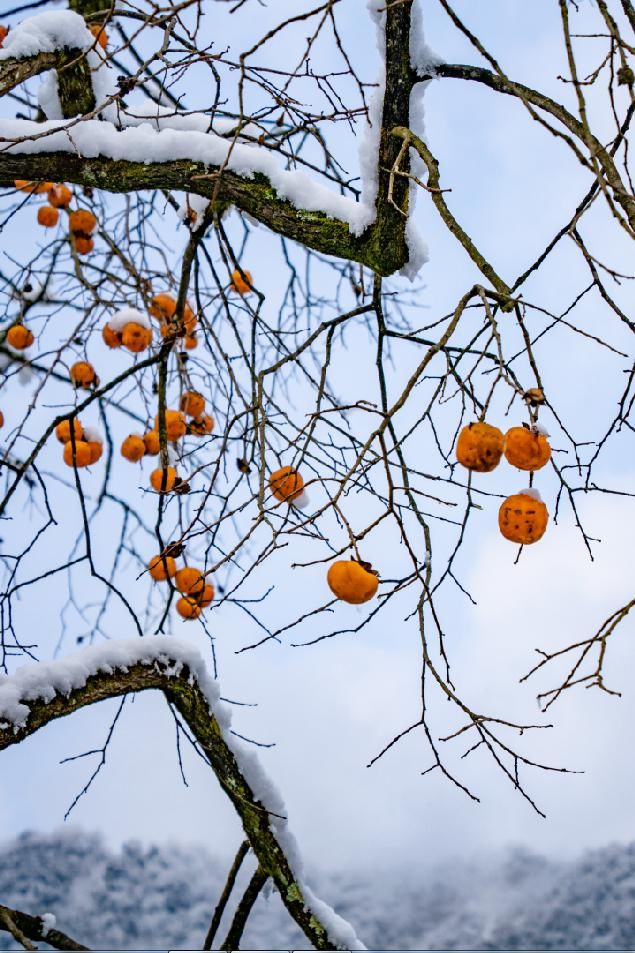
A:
x: 196, y: 592
x: 522, y: 517
x: 81, y: 222
x: 163, y: 308
x: 82, y: 445
x: 129, y: 328
x: 177, y: 425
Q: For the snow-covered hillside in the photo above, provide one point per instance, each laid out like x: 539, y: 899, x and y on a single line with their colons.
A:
x: 162, y: 897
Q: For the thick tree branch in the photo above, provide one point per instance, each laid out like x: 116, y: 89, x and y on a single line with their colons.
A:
x: 15, y: 71
x: 255, y: 196
x: 74, y: 84
x: 387, y: 238
x: 183, y: 692
x: 32, y: 928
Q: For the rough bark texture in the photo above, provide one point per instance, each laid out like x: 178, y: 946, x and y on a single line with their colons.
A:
x: 255, y: 196
x: 32, y: 927
x: 75, y: 87
x: 385, y: 242
x: 16, y: 71
x: 188, y: 699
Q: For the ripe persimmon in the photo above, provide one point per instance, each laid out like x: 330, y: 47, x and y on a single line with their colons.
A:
x: 162, y: 306
x: 162, y: 567
x: 523, y: 517
x: 99, y: 32
x: 205, y: 598
x: 352, y: 581
x: 83, y: 244
x: 59, y: 196
x: 526, y: 448
x: 240, y: 285
x: 286, y: 484
x: 4, y: 32
x: 152, y: 443
x: 133, y: 448
x: 1, y: 419
x: 190, y: 342
x: 201, y: 426
x: 32, y: 188
x: 175, y: 424
x: 480, y: 447
x: 19, y: 337
x: 96, y: 448
x: 111, y: 337
x: 82, y: 222
x: 48, y: 216
x: 190, y: 581
x: 63, y: 430
x: 163, y: 479
x: 188, y: 608
x: 82, y: 374
x: 136, y: 337
x: 82, y: 456
x: 192, y: 403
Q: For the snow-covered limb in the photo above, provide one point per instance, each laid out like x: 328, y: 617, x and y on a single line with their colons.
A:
x: 375, y: 231
x: 37, y: 694
x: 24, y: 927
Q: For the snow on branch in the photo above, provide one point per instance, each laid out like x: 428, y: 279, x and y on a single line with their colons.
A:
x: 47, y: 33
x: 37, y: 694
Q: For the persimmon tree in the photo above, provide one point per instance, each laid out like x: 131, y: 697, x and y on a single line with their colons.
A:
x: 193, y: 276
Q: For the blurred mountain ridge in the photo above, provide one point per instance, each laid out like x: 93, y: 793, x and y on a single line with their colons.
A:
x: 162, y: 897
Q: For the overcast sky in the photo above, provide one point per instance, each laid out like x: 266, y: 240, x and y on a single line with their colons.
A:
x: 331, y: 707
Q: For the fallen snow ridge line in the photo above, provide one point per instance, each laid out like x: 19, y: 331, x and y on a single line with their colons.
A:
x: 43, y: 681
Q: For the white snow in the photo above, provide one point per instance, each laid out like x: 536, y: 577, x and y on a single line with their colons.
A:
x: 303, y: 501
x: 48, y: 922
x: 125, y: 316
x: 38, y: 290
x: 143, y: 143
x: 192, y: 208
x: 540, y: 428
x: 533, y: 492
x: 93, y: 434
x: 44, y: 680
x: 422, y: 57
x: 25, y: 375
x: 48, y: 96
x: 45, y: 33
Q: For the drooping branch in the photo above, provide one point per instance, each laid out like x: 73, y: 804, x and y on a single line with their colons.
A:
x: 33, y: 928
x: 244, y: 908
x: 433, y: 186
x: 502, y: 84
x: 179, y: 684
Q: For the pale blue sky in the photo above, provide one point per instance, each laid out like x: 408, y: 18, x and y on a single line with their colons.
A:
x: 330, y: 708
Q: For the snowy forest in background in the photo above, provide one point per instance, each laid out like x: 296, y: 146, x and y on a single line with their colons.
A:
x: 161, y: 897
